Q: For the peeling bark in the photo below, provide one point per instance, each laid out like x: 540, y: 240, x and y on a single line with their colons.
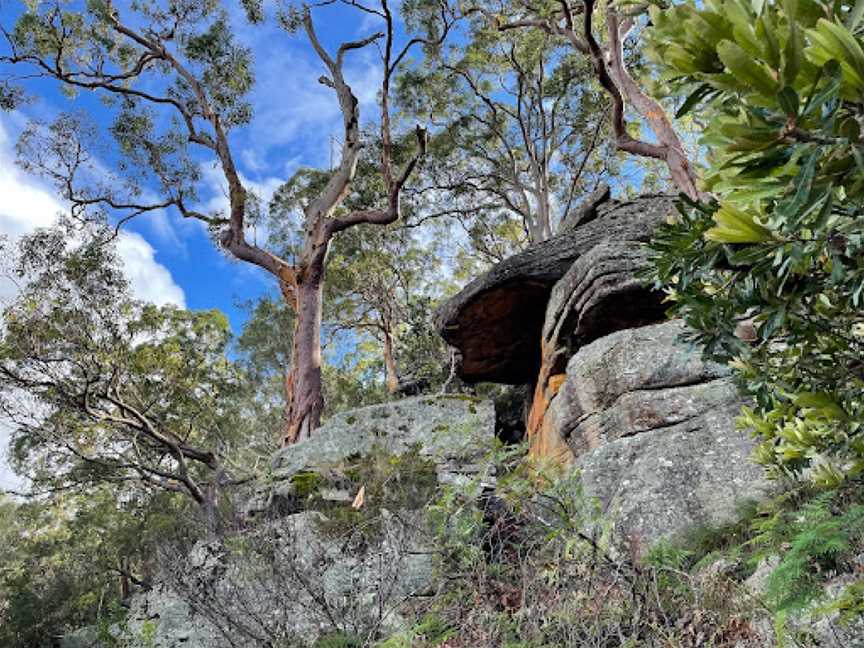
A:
x: 609, y: 68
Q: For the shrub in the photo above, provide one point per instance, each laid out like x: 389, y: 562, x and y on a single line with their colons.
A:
x: 769, y: 271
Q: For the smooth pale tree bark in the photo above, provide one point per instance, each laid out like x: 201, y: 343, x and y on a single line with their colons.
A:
x: 304, y: 382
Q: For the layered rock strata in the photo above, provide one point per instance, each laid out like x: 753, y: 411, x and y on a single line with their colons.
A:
x: 617, y: 390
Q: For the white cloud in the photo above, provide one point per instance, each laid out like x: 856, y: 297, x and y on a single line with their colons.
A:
x: 26, y: 205
x: 149, y: 279
x: 296, y: 114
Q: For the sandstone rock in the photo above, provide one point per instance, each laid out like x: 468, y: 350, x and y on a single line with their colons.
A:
x: 453, y: 431
x: 651, y: 425
x: 633, y: 381
x: 661, y: 483
x: 601, y: 294
x: 811, y: 626
x: 588, y: 210
x: 496, y: 321
x: 318, y: 581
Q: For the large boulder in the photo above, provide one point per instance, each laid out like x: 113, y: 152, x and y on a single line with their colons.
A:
x: 496, y: 321
x: 453, y: 431
x: 601, y: 293
x: 651, y: 427
x: 314, y: 556
x: 633, y: 381
x: 299, y: 578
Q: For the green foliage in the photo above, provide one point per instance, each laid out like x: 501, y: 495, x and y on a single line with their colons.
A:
x: 850, y: 603
x: 338, y: 640
x: 535, y: 558
x: 430, y: 630
x: 779, y: 89
x: 524, y: 127
x: 61, y: 561
x: 390, y: 482
x: 801, y: 538
x: 813, y: 540
x: 101, y: 388
x: 10, y: 96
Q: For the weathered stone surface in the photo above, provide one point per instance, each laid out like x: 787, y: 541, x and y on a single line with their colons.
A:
x: 651, y: 426
x: 665, y: 481
x: 635, y: 380
x: 601, y: 294
x: 453, y: 431
x: 496, y: 321
x: 809, y: 627
x: 588, y: 210
x: 320, y: 583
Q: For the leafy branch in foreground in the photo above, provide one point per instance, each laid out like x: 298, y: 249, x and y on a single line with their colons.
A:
x: 772, y: 275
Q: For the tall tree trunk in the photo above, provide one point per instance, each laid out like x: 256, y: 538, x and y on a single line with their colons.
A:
x: 303, y: 383
x: 392, y: 380
x: 125, y: 586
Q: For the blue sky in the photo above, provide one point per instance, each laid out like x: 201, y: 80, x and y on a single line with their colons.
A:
x: 172, y: 260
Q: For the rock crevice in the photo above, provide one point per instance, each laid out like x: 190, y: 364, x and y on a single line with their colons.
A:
x: 617, y: 391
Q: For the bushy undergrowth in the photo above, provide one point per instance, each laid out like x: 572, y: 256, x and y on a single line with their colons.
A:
x: 534, y: 565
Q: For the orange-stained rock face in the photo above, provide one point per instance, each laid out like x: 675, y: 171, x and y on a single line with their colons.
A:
x: 548, y: 447
x: 545, y: 441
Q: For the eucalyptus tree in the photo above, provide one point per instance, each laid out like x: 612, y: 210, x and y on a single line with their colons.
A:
x: 100, y: 389
x: 521, y: 127
x: 376, y: 274
x: 575, y: 21
x: 178, y: 81
x: 373, y: 272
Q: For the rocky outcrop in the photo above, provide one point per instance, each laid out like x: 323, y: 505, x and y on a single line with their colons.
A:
x: 651, y: 427
x: 617, y: 391
x: 497, y: 319
x: 452, y: 431
x: 589, y: 209
x: 333, y: 538
x: 633, y: 381
x: 318, y: 582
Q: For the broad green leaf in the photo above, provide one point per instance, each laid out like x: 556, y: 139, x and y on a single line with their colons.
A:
x: 820, y: 401
x: 833, y: 41
x: 748, y: 71
x: 792, y: 53
x: 789, y: 101
x: 693, y: 99
x: 854, y: 17
x: 736, y: 226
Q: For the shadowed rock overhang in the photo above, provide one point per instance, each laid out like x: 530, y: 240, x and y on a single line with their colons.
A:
x: 496, y: 321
